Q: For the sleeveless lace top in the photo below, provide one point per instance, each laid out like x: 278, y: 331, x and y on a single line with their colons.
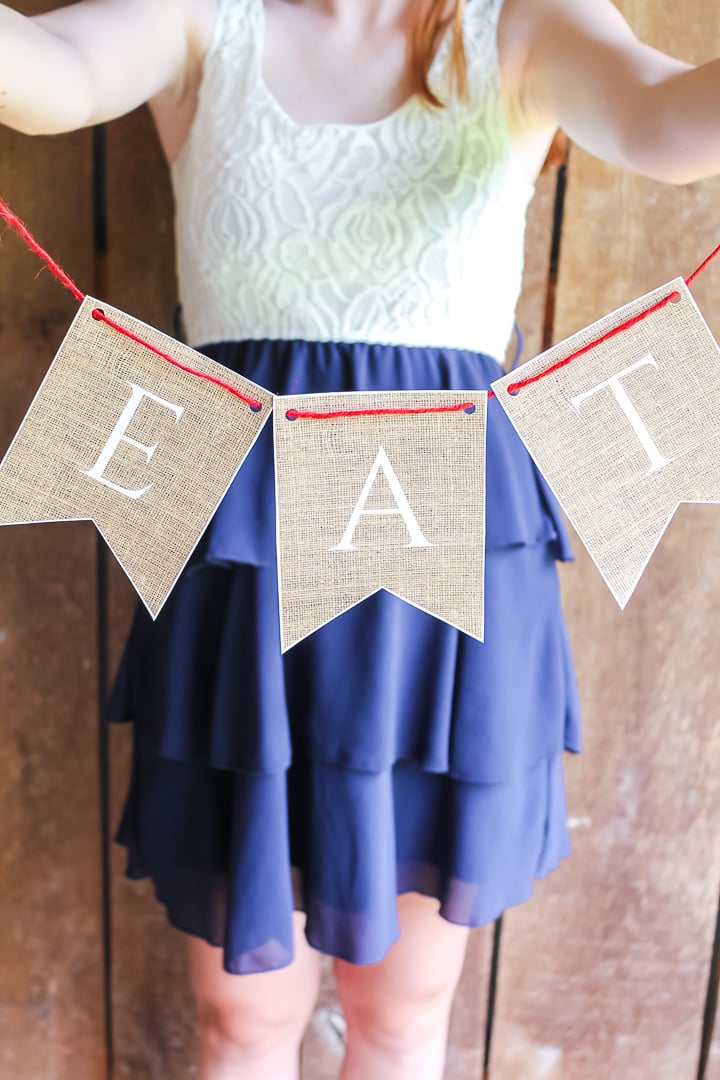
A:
x: 407, y: 231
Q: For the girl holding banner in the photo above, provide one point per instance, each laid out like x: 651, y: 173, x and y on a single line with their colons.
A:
x: 351, y: 184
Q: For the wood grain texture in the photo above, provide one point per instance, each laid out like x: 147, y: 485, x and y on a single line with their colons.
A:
x: 604, y: 973
x: 51, y: 974
x: 153, y: 1011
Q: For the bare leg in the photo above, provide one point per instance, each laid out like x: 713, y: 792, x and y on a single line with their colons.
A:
x: 250, y: 1027
x: 397, y: 1010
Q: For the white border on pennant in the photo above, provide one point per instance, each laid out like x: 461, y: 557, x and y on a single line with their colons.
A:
x: 50, y: 521
x: 677, y: 284
x: 381, y: 588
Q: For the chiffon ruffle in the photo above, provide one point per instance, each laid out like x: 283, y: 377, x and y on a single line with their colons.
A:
x: 231, y: 854
x: 385, y: 753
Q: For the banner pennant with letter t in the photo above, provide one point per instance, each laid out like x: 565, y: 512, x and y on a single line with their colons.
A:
x: 623, y: 421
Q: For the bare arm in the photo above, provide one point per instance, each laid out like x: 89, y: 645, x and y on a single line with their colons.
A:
x: 90, y: 62
x: 582, y: 67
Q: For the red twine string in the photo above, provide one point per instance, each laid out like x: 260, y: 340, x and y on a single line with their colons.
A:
x: 513, y: 388
x: 22, y: 229
x: 703, y: 266
x: 292, y: 414
x: 98, y: 314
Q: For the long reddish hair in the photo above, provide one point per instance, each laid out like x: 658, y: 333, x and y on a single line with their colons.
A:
x: 432, y: 18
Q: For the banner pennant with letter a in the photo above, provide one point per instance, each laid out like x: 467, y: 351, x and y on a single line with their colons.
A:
x: 627, y: 430
x: 378, y: 496
x: 128, y: 439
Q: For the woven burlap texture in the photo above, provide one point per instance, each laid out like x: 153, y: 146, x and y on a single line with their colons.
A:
x: 72, y: 416
x: 618, y: 489
x: 322, y: 467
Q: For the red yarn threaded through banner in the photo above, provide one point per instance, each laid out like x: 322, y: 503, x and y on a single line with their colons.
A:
x: 22, y: 229
x: 100, y: 315
x: 512, y: 388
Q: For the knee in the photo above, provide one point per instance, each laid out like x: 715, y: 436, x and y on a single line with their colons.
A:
x: 251, y: 1016
x: 249, y: 1029
x: 400, y: 1025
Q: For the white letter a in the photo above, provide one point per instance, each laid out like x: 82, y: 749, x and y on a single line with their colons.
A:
x: 402, y: 506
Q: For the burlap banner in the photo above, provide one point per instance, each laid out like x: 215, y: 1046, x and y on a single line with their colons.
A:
x: 629, y: 430
x: 380, y: 501
x: 119, y: 435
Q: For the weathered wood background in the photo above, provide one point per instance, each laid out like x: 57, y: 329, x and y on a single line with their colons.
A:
x: 609, y: 970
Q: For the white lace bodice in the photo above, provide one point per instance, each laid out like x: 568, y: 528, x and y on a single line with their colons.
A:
x: 409, y: 230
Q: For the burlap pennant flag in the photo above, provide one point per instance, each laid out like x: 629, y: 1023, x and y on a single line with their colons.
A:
x: 380, y: 501
x: 626, y: 432
x: 120, y: 435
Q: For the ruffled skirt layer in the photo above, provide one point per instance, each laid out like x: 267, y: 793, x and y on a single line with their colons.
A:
x: 385, y: 753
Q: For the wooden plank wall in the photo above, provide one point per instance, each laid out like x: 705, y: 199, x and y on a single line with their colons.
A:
x: 51, y: 946
x: 605, y: 972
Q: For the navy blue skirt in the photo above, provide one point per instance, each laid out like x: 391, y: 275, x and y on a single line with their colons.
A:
x: 386, y: 752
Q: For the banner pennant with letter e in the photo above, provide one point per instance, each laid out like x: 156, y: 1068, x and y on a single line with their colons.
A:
x: 627, y: 430
x: 382, y: 490
x: 128, y: 439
